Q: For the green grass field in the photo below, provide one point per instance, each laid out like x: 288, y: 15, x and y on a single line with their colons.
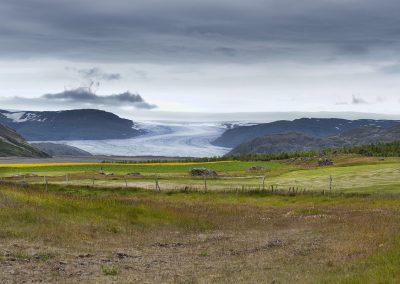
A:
x: 232, y: 231
x: 349, y: 173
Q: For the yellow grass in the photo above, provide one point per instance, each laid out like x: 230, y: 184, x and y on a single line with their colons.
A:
x: 29, y: 165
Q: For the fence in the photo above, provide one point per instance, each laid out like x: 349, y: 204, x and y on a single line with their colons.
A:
x: 161, y: 184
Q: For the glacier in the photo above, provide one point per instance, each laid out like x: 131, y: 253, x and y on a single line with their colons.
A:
x: 169, y: 139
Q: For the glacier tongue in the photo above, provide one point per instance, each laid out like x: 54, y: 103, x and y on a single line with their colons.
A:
x: 163, y: 139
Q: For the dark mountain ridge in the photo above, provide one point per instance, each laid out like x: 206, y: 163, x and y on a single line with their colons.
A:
x: 314, y: 127
x: 54, y: 149
x: 12, y: 144
x: 295, y: 141
x: 80, y: 124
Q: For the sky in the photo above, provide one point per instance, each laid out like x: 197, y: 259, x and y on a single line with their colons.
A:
x: 220, y: 56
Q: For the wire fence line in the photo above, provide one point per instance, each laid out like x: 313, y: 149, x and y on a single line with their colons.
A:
x: 155, y: 183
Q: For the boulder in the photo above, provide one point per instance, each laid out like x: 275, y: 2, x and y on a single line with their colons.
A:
x: 197, y: 172
x: 256, y: 169
x: 325, y: 162
x: 133, y: 175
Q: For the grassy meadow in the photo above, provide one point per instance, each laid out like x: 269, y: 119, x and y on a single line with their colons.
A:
x: 333, y: 224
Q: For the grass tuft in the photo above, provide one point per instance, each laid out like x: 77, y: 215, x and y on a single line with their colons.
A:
x: 109, y: 270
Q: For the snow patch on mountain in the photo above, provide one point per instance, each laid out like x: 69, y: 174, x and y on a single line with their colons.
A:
x: 22, y: 116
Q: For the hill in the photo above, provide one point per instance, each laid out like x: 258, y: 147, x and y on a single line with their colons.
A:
x: 80, y: 124
x: 314, y: 127
x: 54, y: 149
x: 12, y: 144
x: 295, y: 142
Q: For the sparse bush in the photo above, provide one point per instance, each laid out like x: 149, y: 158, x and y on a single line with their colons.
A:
x: 109, y: 270
x: 204, y: 254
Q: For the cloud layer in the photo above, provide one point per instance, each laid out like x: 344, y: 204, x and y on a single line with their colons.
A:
x: 207, y: 30
x: 85, y: 96
x: 79, y: 98
x: 211, y: 56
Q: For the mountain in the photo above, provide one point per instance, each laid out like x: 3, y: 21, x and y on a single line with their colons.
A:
x: 12, y: 144
x: 80, y: 124
x: 294, y: 141
x: 54, y: 149
x: 315, y: 127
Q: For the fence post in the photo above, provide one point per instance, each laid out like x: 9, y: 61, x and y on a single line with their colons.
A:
x: 45, y: 183
x: 263, y: 182
x: 157, y: 185
x: 330, y: 182
x: 205, y: 182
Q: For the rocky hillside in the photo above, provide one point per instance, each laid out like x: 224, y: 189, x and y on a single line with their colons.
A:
x: 314, y: 127
x: 81, y: 124
x: 12, y: 144
x: 54, y: 149
x: 294, y: 141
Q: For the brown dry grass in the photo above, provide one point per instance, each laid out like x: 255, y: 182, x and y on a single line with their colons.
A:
x: 70, y: 235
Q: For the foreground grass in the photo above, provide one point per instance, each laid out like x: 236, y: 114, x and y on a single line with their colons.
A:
x: 33, y: 213
x: 246, y: 236
x: 233, y: 231
x: 382, y: 267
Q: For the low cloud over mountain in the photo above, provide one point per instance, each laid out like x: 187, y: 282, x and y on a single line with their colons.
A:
x: 83, y: 95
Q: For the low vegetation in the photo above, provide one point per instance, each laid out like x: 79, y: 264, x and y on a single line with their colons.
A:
x: 390, y: 149
x: 286, y: 220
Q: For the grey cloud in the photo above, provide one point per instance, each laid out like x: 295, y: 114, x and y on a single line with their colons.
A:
x: 85, y: 96
x: 391, y: 69
x: 192, y: 31
x: 226, y: 51
x: 353, y: 49
x: 98, y: 74
x: 380, y: 99
x: 358, y: 101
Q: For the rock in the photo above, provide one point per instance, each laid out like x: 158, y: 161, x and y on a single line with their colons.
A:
x: 256, y: 169
x: 122, y: 255
x: 196, y: 172
x: 103, y: 173
x: 325, y: 162
x: 85, y: 255
x: 133, y: 174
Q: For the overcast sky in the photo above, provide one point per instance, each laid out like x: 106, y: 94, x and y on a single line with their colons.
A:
x: 201, y: 56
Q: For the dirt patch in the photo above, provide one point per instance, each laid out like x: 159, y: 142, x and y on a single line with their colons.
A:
x: 249, y: 251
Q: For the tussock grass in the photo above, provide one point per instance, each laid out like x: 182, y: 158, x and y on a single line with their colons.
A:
x: 34, y: 213
x: 109, y: 270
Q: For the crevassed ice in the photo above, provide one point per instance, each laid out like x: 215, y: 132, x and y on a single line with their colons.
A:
x: 162, y: 139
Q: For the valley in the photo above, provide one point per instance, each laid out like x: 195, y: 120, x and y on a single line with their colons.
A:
x: 169, y: 139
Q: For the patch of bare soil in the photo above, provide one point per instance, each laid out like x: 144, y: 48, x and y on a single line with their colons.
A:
x: 278, y: 246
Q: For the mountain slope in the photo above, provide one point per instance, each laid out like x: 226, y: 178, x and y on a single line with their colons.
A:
x: 293, y: 142
x: 316, y: 127
x: 81, y: 124
x: 12, y: 144
x: 54, y: 149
